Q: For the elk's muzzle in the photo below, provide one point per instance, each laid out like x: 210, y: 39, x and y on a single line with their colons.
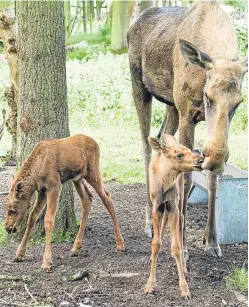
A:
x: 214, y: 158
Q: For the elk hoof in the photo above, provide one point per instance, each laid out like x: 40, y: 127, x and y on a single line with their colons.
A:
x: 18, y: 259
x: 74, y: 253
x: 213, y: 251
x: 150, y: 288
x: 185, y: 293
x: 148, y: 231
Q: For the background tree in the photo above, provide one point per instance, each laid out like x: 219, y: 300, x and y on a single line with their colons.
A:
x: 42, y: 100
x: 122, y: 17
x: 145, y: 4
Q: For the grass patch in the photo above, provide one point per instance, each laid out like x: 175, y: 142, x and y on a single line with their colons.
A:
x: 238, y: 279
x: 4, y: 237
x: 91, y: 39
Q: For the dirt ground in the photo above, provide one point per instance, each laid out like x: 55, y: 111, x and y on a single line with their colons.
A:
x: 117, y: 279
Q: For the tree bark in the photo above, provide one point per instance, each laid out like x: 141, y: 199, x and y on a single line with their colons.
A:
x: 8, y: 36
x: 145, y: 4
x: 122, y: 16
x: 42, y: 103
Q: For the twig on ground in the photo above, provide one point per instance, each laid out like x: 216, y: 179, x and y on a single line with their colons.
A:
x: 15, y: 278
x: 4, y: 193
x: 71, y: 294
x: 29, y: 293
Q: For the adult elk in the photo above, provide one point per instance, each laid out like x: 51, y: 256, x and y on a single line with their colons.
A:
x: 51, y: 163
x: 188, y: 59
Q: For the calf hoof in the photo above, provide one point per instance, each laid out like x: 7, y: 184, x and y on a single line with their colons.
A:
x: 74, y: 253
x: 213, y: 251
x: 46, y: 268
x: 150, y: 288
x: 120, y: 247
x: 185, y: 293
x: 18, y: 259
x: 148, y: 231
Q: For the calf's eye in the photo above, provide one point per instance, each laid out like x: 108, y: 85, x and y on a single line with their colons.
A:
x: 180, y: 156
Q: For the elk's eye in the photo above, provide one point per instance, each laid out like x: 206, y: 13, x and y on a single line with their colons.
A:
x: 11, y: 212
x: 180, y: 156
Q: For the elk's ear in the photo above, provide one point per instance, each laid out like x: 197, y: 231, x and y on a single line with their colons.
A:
x: 18, y: 189
x: 244, y: 64
x: 194, y: 56
x: 155, y: 144
x: 169, y: 140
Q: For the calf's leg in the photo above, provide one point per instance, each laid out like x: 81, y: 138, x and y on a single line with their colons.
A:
x: 86, y: 200
x: 107, y: 201
x: 53, y: 196
x: 176, y: 250
x: 33, y: 216
x: 156, y: 246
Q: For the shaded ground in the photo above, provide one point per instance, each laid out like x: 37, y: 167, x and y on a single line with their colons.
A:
x: 119, y: 277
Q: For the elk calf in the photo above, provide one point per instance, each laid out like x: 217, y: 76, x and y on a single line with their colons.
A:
x: 166, y: 193
x: 51, y: 163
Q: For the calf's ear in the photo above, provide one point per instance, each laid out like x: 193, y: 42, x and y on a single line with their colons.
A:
x: 169, y: 140
x: 155, y: 144
x: 18, y: 189
x: 194, y: 56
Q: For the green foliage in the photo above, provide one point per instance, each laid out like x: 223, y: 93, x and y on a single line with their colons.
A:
x: 106, y: 29
x: 242, y: 34
x: 87, y: 53
x: 238, y: 279
x: 4, y: 237
x: 91, y: 39
x: 237, y: 4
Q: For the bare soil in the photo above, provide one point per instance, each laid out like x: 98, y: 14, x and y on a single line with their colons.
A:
x: 117, y: 279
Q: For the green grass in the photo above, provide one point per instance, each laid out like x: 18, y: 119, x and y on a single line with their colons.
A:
x: 4, y: 238
x: 91, y: 39
x: 238, y: 279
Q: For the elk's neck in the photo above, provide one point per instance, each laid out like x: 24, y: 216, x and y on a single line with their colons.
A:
x: 28, y: 182
x: 170, y: 177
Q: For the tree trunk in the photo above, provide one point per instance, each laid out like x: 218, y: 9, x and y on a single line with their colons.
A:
x: 84, y: 16
x: 42, y: 103
x: 145, y: 4
x: 68, y: 19
x: 122, y: 16
x: 8, y: 36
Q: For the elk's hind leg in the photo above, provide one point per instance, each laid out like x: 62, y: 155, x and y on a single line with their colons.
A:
x: 86, y: 200
x: 107, y: 201
x: 33, y: 216
x: 177, y: 252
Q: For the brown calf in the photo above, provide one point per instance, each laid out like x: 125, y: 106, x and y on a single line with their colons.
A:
x: 51, y: 163
x: 166, y: 193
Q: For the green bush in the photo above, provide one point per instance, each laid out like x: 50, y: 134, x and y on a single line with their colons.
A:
x: 87, y: 53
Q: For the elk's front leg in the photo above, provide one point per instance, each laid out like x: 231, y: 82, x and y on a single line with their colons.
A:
x: 33, y: 216
x: 212, y: 247
x: 53, y: 196
x: 156, y: 246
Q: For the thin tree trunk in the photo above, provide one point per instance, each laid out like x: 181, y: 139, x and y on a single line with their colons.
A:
x: 122, y: 16
x: 84, y: 16
x: 42, y: 106
x: 8, y: 36
x: 145, y: 4
x: 68, y: 18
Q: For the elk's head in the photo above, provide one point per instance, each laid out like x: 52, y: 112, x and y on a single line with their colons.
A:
x: 180, y: 158
x: 16, y: 207
x: 222, y: 96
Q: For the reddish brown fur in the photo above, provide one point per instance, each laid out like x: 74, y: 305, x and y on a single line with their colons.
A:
x: 166, y: 179
x: 51, y: 163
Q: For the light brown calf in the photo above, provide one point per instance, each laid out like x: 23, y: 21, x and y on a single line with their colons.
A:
x: 51, y: 163
x: 167, y: 192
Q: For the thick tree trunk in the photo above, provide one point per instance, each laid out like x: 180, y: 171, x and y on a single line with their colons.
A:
x: 122, y: 16
x: 42, y: 106
x: 8, y: 36
x: 145, y: 4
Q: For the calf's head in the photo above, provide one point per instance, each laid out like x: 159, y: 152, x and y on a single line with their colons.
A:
x: 222, y: 96
x: 179, y: 157
x: 16, y: 207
